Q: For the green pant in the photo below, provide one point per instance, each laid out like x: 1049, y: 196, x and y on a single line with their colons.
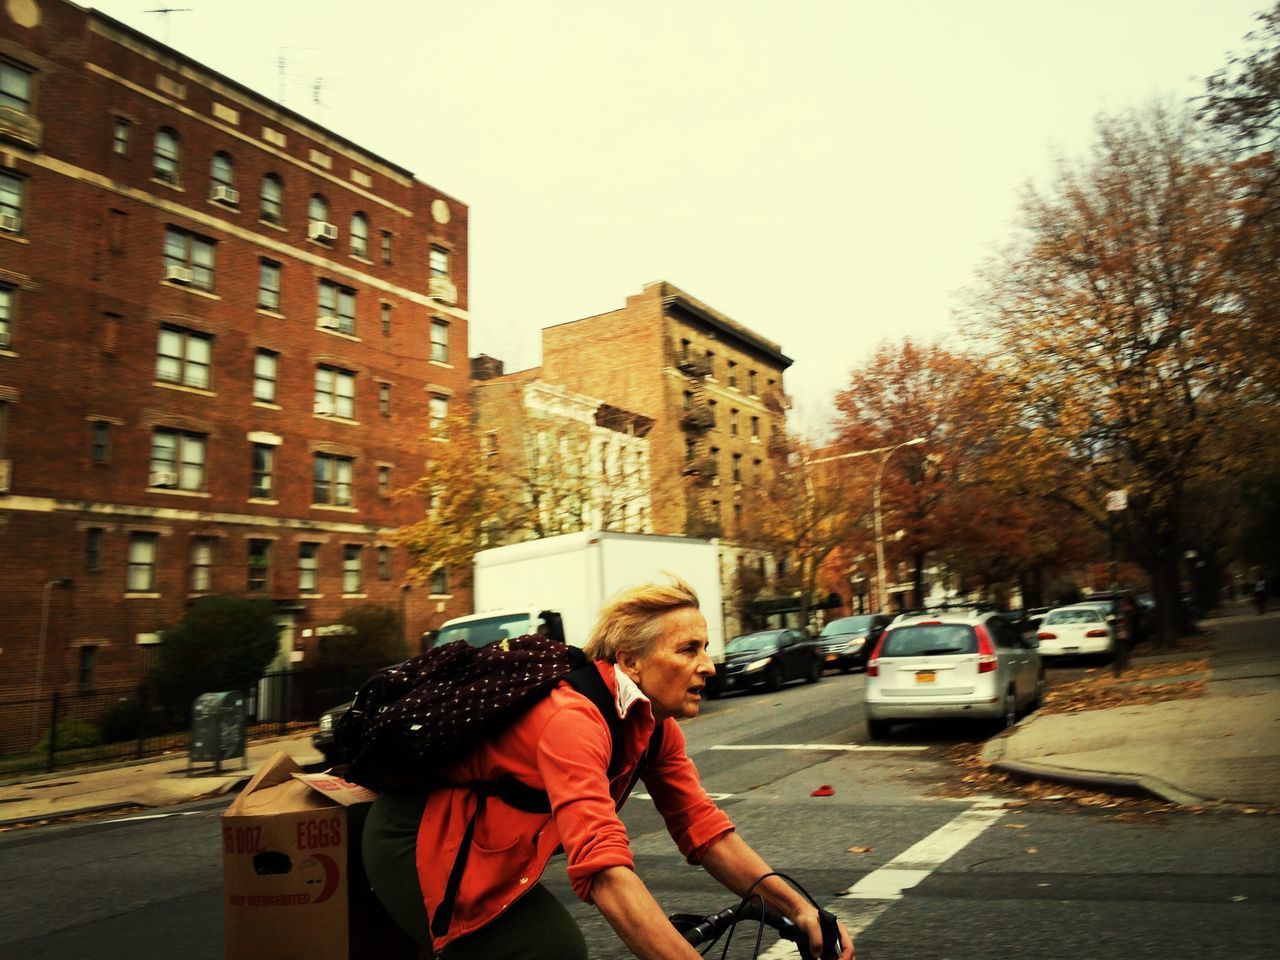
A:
x: 535, y: 927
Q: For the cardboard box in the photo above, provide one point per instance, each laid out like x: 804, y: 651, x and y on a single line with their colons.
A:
x: 294, y: 885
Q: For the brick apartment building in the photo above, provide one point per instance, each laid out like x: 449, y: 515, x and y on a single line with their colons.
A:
x: 712, y: 387
x: 223, y: 332
x: 579, y: 462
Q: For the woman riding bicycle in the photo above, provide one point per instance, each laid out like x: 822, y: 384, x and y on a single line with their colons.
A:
x: 650, y: 647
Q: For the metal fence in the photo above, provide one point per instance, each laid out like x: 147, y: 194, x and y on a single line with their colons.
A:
x: 78, y: 728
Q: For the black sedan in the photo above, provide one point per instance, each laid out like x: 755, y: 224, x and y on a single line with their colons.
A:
x: 847, y: 642
x: 769, y: 659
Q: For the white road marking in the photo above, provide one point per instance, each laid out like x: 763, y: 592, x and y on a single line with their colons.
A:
x: 834, y: 747
x: 714, y: 796
x: 153, y: 816
x: 875, y: 893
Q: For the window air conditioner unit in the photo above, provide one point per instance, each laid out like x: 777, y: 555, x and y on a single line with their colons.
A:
x: 225, y: 194
x: 324, y: 408
x: 329, y: 323
x: 178, y: 274
x: 6, y: 475
x: 322, y: 231
x: 443, y: 289
x: 10, y: 223
x: 163, y: 478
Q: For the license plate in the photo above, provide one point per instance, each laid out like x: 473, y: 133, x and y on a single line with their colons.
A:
x: 926, y: 676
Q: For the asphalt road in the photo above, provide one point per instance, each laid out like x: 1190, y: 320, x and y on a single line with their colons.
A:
x: 916, y: 872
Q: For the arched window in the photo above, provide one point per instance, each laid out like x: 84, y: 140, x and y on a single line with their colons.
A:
x: 165, y: 156
x: 222, y: 179
x: 318, y: 209
x: 359, y: 235
x: 271, y: 208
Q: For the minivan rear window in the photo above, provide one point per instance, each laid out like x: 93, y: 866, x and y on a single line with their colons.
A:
x: 929, y: 640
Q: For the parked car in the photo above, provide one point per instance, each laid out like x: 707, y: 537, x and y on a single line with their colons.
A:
x: 953, y: 664
x: 770, y: 658
x: 1076, y: 630
x: 322, y: 739
x: 847, y: 642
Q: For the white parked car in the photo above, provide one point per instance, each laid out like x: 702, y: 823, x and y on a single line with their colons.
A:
x: 954, y: 664
x: 1080, y: 629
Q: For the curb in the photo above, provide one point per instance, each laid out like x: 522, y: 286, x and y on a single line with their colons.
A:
x: 231, y: 785
x: 1120, y: 784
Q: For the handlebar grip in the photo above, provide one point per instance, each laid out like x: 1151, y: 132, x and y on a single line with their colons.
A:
x: 830, y: 930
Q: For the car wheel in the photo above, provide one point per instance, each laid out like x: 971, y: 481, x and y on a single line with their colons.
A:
x: 773, y: 679
x: 878, y: 729
x: 815, y: 671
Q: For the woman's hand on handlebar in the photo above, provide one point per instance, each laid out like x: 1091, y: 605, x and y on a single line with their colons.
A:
x: 807, y: 921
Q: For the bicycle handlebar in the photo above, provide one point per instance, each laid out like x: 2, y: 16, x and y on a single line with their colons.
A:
x: 698, y: 930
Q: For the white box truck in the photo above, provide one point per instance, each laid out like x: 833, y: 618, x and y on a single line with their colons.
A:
x: 562, y: 582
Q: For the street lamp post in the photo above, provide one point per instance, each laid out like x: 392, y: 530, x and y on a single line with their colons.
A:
x: 44, y: 630
x: 884, y: 596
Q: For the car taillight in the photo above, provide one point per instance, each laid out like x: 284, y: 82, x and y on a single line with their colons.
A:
x: 1046, y: 636
x: 873, y: 661
x: 986, y: 650
x: 1096, y: 633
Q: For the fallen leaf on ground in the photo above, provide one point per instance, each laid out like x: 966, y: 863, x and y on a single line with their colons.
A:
x: 1015, y: 826
x: 861, y: 849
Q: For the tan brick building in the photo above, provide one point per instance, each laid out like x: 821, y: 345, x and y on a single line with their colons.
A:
x: 713, y: 388
x: 223, y: 330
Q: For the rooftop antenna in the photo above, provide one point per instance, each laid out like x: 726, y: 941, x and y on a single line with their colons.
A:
x: 282, y: 69
x: 164, y: 12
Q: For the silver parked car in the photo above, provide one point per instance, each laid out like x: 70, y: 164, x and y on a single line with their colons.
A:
x: 954, y: 664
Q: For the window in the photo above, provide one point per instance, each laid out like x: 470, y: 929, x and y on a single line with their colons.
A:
x: 271, y: 200
x: 437, y: 414
x: 737, y: 468
x: 88, y: 666
x: 308, y: 564
x: 755, y: 469
x: 93, y: 548
x: 711, y: 364
x: 318, y: 216
x: 165, y: 156
x: 384, y: 480
x: 733, y: 373
x: 733, y: 421
x: 222, y: 178
x: 6, y: 317
x: 269, y: 285
x: 711, y: 408
x: 337, y: 307
x: 259, y: 564
x: 386, y: 247
x: 142, y: 563
x: 177, y: 459
x: 188, y: 258
x: 384, y: 563
x: 263, y: 465
x: 439, y: 582
x: 755, y: 429
x: 11, y: 196
x: 201, y: 565
x: 335, y: 392
x: 690, y: 451
x: 15, y: 87
x: 688, y: 399
x: 384, y: 399
x: 265, y: 364
x: 332, y: 480
x: 351, y: 574
x: 737, y: 518
x: 751, y: 382
x: 184, y: 357
x: 440, y: 341
x: 386, y: 319
x: 438, y: 261
x: 101, y: 442
x: 120, y: 136
x: 359, y: 235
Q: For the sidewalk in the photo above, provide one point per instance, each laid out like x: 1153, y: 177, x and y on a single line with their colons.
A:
x: 149, y: 783
x: 1221, y: 748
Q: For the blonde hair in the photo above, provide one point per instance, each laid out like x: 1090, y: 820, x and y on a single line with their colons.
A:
x: 632, y: 620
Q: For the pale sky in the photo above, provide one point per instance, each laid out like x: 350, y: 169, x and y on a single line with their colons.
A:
x: 829, y: 173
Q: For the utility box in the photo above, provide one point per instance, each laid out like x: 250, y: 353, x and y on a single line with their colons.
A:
x: 217, y: 730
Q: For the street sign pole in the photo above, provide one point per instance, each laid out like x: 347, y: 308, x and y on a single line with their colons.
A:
x: 1117, y: 501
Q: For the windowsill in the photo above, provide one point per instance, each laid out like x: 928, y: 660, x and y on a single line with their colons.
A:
x: 9, y: 353
x: 310, y: 596
x: 274, y: 315
x: 755, y: 439
x: 14, y: 237
x: 354, y: 596
x: 264, y: 501
x: 142, y: 596
x: 166, y: 183
x: 359, y: 259
x: 265, y: 405
x: 190, y: 289
x: 183, y: 388
x: 440, y: 596
x: 441, y: 363
x: 334, y: 508
x: 273, y: 226
x: 170, y: 491
x: 339, y: 334
x: 226, y: 207
x: 332, y: 418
